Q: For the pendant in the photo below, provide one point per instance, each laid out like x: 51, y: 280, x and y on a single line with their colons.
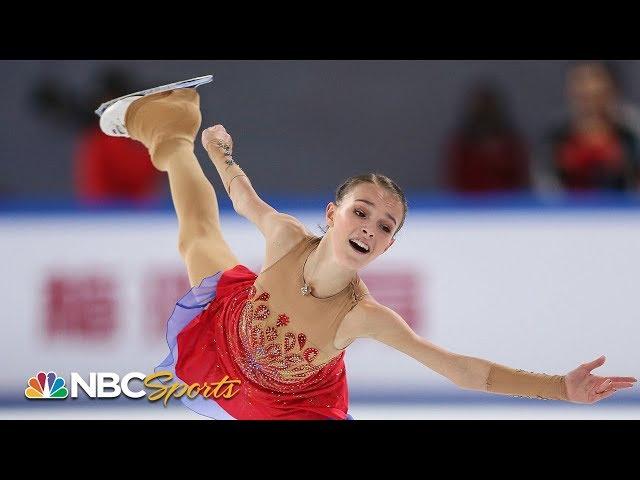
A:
x: 305, y: 289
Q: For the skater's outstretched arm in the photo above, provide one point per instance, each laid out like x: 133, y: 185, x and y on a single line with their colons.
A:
x: 373, y: 320
x: 246, y: 202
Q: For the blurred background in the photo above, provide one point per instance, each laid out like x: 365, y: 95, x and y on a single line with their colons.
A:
x: 520, y: 244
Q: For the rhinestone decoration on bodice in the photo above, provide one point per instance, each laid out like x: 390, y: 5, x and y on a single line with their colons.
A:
x: 270, y: 352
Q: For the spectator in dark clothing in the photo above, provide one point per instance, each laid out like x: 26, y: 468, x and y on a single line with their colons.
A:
x: 596, y: 149
x: 486, y: 153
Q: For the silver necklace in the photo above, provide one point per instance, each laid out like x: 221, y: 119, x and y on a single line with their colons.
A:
x: 306, y: 288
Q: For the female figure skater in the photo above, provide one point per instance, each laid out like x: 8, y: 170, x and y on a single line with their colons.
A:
x: 283, y: 332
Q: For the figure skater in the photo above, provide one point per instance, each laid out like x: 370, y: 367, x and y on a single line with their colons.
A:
x: 283, y: 331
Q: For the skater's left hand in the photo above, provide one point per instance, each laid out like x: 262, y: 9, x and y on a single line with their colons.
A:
x: 584, y: 387
x: 217, y: 142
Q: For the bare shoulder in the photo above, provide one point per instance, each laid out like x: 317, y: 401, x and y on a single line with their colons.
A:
x: 285, y: 224
x: 284, y: 232
x: 272, y: 224
x: 281, y: 231
x: 369, y: 319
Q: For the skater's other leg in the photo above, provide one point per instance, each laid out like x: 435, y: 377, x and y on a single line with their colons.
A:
x: 167, y: 123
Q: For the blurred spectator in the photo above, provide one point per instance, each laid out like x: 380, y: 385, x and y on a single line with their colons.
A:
x: 105, y: 168
x: 596, y: 148
x: 486, y: 153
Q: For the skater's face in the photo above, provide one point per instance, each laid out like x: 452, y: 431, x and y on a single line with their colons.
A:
x: 363, y: 224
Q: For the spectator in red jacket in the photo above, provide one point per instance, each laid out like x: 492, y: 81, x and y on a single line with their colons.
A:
x: 104, y: 168
x: 110, y: 168
x: 596, y: 148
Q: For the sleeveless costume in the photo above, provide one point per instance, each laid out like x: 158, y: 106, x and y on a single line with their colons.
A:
x: 261, y: 330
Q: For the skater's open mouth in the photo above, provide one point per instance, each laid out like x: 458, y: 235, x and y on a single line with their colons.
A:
x: 359, y: 246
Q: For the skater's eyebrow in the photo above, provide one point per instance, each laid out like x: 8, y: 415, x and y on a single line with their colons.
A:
x: 373, y: 205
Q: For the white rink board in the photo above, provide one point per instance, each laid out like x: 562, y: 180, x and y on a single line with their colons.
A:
x: 539, y: 291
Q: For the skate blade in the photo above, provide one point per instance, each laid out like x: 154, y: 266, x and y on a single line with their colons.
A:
x: 190, y: 83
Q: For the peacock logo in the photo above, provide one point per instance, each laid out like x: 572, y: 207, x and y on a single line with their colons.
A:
x: 46, y: 386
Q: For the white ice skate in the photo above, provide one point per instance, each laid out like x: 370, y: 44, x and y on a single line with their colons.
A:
x: 112, y: 113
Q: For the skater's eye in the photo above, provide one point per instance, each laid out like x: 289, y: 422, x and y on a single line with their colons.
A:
x: 383, y: 227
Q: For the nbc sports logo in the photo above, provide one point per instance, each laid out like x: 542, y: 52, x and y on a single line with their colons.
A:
x: 110, y: 385
x: 46, y: 386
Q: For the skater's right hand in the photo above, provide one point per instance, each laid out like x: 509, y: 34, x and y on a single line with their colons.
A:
x: 585, y: 387
x: 217, y: 142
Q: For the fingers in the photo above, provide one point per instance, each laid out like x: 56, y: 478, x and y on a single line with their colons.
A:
x: 623, y: 379
x: 609, y: 385
x: 216, y: 131
x: 616, y: 382
x: 603, y: 395
x: 605, y: 389
x: 217, y: 139
x: 598, y: 362
x: 217, y: 128
x: 619, y: 385
x: 602, y: 387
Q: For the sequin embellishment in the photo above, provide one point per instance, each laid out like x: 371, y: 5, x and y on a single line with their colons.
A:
x: 268, y: 357
x: 283, y: 320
